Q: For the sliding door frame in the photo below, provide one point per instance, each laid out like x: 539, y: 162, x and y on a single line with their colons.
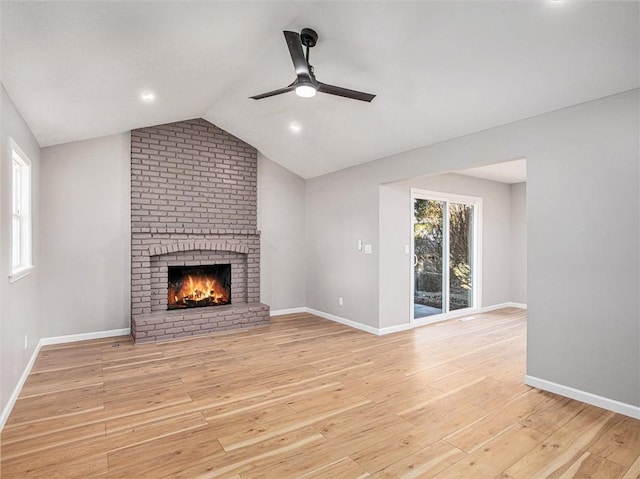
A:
x: 476, y: 266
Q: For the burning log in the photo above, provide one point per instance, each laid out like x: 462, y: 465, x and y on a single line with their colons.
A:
x: 195, y: 290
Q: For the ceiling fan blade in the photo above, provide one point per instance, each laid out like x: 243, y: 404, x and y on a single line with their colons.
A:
x: 297, y: 55
x: 274, y: 92
x: 345, y: 92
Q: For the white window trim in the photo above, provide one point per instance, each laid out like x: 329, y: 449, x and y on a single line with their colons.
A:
x: 26, y: 262
x: 20, y: 273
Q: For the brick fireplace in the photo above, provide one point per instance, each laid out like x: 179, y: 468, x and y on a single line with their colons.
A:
x: 193, y: 203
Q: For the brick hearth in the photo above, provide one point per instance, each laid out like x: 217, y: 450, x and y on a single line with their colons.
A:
x: 193, y: 202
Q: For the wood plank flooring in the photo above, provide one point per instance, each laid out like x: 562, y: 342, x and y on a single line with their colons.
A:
x: 306, y: 397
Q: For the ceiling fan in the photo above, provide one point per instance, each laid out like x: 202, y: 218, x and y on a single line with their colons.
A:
x: 306, y: 85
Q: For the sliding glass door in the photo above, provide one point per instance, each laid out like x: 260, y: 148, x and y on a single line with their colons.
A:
x: 444, y: 247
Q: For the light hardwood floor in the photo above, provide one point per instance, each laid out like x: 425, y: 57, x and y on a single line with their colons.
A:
x: 308, y: 397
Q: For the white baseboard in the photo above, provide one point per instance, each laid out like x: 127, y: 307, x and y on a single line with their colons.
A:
x: 16, y: 391
x: 282, y: 312
x: 45, y: 342
x: 338, y: 319
x: 346, y: 322
x: 72, y: 338
x: 405, y: 326
x: 583, y: 396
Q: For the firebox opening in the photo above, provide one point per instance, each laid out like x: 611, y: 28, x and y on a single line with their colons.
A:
x: 199, y: 286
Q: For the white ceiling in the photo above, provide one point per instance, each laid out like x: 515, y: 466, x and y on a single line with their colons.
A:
x: 506, y: 172
x: 441, y: 70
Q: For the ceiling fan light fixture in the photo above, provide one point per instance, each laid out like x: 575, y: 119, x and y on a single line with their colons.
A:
x: 306, y: 90
x: 305, y: 83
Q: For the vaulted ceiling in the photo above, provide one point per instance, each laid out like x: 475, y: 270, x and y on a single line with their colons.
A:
x: 440, y: 70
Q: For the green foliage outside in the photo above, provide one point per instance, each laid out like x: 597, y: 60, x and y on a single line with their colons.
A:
x: 429, y: 246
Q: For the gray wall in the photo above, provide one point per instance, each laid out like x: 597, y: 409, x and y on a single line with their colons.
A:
x: 281, y: 221
x: 518, y: 250
x: 342, y: 208
x: 86, y: 236
x: 582, y: 165
x: 87, y: 226
x: 395, y: 233
x: 20, y: 312
x: 583, y: 236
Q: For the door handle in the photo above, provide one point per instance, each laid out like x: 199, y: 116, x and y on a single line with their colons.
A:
x: 415, y: 260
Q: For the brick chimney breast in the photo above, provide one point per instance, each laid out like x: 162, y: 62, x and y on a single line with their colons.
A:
x: 193, y: 202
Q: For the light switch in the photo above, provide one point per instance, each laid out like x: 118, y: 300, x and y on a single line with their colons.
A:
x: 359, y: 245
x: 406, y: 249
x: 368, y: 249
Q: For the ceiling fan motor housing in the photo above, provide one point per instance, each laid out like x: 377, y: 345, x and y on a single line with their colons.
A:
x: 308, y: 37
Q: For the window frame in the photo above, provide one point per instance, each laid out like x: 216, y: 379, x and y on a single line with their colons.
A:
x: 21, y: 214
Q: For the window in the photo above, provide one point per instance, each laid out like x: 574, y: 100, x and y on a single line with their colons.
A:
x: 20, y: 213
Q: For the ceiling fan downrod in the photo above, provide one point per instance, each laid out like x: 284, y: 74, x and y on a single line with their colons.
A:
x: 308, y: 38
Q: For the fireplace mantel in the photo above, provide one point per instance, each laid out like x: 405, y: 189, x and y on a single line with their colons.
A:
x: 193, y: 245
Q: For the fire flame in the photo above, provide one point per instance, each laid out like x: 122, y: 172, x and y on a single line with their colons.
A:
x: 198, y: 288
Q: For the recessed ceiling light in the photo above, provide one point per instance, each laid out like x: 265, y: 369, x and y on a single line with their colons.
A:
x: 148, y: 96
x: 295, y: 127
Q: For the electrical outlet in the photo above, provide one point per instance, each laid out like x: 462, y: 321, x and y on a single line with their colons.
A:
x: 26, y: 341
x: 340, y: 301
